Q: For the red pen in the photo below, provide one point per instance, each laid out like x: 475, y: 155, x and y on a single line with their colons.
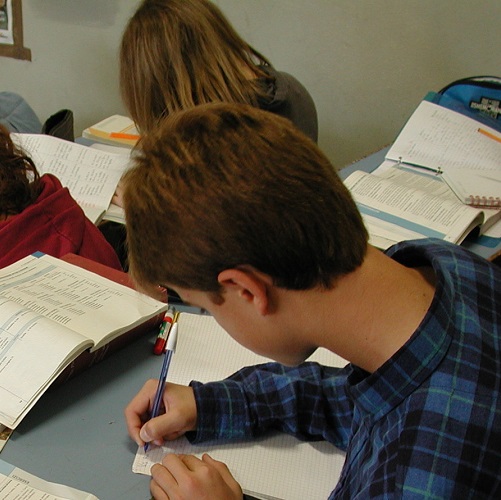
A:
x: 161, y: 340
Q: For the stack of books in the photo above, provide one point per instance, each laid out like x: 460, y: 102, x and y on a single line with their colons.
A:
x: 117, y: 130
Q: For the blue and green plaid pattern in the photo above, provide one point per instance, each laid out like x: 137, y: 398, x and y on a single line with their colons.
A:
x: 426, y: 424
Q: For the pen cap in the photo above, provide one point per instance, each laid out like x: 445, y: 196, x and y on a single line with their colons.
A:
x: 172, y: 340
x: 169, y: 314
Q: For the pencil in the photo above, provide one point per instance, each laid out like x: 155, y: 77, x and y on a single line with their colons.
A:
x: 488, y: 134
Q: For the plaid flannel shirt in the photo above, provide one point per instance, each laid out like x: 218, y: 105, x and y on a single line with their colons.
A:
x: 426, y: 424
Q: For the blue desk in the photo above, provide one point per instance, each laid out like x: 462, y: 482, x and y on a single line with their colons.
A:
x: 487, y: 247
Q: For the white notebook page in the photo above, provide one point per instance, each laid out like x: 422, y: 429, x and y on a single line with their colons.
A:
x: 278, y: 466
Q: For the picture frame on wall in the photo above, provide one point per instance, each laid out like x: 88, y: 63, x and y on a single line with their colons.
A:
x: 6, y: 31
x: 11, y: 30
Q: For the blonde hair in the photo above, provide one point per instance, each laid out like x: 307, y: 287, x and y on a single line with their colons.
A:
x: 176, y: 54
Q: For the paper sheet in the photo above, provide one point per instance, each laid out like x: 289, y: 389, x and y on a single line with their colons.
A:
x: 17, y: 484
x: 90, y: 175
x: 466, y: 151
x: 279, y: 466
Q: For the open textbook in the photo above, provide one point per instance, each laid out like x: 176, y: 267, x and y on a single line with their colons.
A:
x: 90, y: 174
x: 399, y: 203
x: 17, y: 484
x: 465, y: 152
x: 277, y: 466
x: 51, y: 312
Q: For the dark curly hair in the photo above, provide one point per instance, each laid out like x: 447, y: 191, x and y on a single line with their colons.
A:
x: 19, y: 177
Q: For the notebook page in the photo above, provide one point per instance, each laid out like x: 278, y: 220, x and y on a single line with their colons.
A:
x: 279, y: 465
x: 475, y: 188
x: 438, y: 138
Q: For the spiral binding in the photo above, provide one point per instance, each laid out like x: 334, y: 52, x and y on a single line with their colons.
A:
x: 484, y: 201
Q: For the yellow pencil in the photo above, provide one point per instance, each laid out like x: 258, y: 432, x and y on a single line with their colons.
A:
x: 488, y: 134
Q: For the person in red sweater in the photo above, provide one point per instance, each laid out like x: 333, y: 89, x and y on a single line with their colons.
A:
x: 38, y: 214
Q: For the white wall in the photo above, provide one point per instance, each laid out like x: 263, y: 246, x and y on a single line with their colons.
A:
x: 367, y: 63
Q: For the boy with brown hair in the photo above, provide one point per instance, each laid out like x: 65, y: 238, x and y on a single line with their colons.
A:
x: 247, y: 219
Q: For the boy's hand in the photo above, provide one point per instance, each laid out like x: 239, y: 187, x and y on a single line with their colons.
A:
x: 178, y: 417
x: 187, y: 477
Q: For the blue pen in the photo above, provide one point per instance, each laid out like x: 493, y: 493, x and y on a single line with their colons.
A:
x: 169, y: 350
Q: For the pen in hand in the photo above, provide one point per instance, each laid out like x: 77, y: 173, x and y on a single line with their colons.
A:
x: 169, y: 350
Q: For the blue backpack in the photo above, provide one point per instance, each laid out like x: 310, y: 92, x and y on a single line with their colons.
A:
x: 478, y: 97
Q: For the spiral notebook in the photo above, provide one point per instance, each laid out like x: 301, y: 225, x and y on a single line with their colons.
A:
x: 475, y: 188
x: 465, y: 152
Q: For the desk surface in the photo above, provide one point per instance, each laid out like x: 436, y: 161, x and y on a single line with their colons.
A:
x: 490, y: 248
x: 76, y: 434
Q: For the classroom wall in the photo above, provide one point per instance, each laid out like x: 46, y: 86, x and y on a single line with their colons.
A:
x: 367, y: 63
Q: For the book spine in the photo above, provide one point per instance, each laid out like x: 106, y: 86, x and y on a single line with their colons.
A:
x: 88, y: 359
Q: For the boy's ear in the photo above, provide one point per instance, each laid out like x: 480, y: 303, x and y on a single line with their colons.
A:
x: 249, y: 285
